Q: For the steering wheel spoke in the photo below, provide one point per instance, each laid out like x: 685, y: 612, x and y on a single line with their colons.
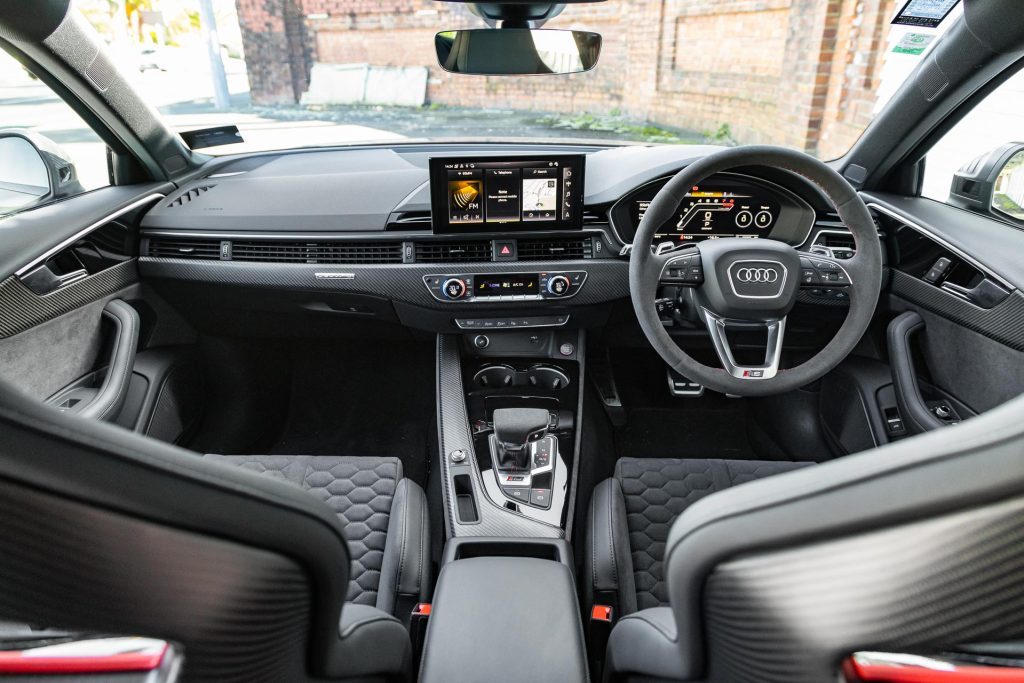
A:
x: 717, y: 326
x: 680, y: 269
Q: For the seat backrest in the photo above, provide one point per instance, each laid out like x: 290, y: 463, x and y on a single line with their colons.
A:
x: 103, y: 530
x: 912, y: 547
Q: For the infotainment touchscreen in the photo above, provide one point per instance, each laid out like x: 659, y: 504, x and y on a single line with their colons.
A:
x: 484, y: 194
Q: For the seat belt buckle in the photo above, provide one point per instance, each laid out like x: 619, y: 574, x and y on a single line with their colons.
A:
x: 418, y: 628
x: 599, y: 628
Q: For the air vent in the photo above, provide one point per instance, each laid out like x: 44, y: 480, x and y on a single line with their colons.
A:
x: 452, y: 252
x: 835, y: 240
x: 190, y: 196
x: 409, y: 220
x: 317, y: 252
x: 554, y: 249
x: 184, y: 248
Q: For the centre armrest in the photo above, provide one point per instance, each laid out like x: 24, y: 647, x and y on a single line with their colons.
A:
x: 498, y: 618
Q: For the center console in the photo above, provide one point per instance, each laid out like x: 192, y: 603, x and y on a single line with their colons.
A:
x: 509, y: 405
x: 505, y: 609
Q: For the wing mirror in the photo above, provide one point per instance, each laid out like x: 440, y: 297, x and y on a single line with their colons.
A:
x: 992, y: 183
x: 33, y: 170
x: 517, y: 51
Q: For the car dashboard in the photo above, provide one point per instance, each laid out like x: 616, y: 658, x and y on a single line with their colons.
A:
x: 504, y: 236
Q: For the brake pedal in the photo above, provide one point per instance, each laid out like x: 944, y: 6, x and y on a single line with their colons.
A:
x: 682, y: 387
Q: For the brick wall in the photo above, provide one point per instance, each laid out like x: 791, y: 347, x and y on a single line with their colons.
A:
x: 802, y: 73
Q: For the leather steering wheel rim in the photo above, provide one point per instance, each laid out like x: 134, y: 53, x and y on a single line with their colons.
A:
x: 864, y: 269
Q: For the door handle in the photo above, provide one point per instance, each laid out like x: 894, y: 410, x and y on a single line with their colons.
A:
x: 913, y: 408
x: 109, y: 398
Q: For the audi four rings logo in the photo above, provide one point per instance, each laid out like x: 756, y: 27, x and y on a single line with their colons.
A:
x: 757, y: 275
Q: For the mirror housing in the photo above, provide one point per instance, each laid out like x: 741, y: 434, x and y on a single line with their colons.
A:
x: 517, y: 51
x: 33, y: 170
x: 992, y: 183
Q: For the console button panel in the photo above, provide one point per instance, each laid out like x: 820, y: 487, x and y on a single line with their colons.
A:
x: 504, y: 287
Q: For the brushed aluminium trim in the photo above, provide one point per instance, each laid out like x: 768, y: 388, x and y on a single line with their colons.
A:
x: 960, y: 253
x: 156, y: 196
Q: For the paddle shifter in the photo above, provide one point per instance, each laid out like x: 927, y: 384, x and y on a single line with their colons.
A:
x: 524, y: 455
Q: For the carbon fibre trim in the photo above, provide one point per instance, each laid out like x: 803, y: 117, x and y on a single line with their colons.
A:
x: 1004, y: 322
x: 21, y: 309
x: 454, y: 434
x: 791, y: 616
x: 241, y: 612
x: 607, y: 280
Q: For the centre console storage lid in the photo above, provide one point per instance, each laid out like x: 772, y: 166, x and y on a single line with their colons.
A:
x: 502, y: 618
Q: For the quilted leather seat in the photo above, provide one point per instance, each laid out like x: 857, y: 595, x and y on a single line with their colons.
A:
x: 384, y: 517
x: 630, y: 518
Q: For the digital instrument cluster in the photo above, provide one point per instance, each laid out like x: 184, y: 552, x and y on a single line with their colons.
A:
x: 721, y: 206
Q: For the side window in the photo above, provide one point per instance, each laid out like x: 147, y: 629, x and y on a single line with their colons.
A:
x: 47, y: 152
x: 979, y: 163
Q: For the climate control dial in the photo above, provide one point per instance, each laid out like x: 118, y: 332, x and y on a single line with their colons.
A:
x: 558, y: 285
x: 454, y: 288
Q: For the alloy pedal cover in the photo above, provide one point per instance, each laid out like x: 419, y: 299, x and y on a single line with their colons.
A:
x: 682, y: 387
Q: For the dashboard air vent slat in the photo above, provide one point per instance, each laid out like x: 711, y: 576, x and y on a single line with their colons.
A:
x: 184, y: 248
x: 554, y: 249
x: 453, y: 252
x: 189, y: 196
x: 317, y: 252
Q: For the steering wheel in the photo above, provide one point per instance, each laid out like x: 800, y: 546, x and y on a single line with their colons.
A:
x: 749, y: 283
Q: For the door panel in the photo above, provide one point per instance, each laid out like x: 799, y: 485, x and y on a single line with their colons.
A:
x: 72, y: 313
x: 44, y: 359
x: 971, y: 345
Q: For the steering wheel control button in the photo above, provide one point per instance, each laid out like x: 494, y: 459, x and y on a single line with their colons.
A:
x: 558, y: 285
x: 454, y: 288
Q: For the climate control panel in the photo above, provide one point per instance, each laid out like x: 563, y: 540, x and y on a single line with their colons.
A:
x: 505, y: 287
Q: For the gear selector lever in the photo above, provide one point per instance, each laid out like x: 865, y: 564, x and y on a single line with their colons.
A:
x: 514, y: 430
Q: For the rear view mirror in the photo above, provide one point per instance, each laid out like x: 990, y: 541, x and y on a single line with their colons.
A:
x: 517, y: 51
x: 33, y: 169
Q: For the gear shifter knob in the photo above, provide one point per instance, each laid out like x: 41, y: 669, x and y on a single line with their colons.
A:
x: 514, y: 430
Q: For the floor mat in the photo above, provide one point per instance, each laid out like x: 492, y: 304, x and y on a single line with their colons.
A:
x: 362, y: 399
x: 659, y: 425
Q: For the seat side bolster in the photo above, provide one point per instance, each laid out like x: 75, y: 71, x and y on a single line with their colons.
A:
x: 374, y: 644
x: 644, y: 644
x: 405, y: 572
x: 608, y: 561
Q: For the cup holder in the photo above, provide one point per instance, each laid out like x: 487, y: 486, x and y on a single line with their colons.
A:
x: 538, y: 376
x: 494, y: 376
x: 547, y: 377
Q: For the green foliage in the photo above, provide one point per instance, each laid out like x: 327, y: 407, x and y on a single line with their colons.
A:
x: 618, y: 125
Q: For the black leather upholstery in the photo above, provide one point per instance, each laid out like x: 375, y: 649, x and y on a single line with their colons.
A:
x: 631, y: 514
x: 384, y: 517
x: 504, y: 619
